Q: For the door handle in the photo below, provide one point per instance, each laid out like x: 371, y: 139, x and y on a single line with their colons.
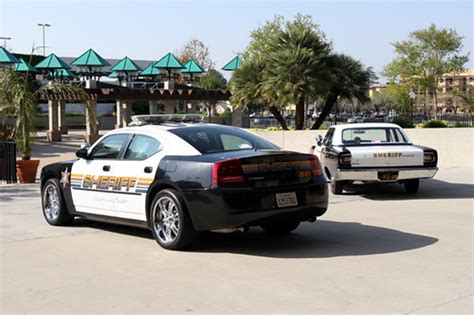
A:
x: 148, y: 169
x: 106, y: 168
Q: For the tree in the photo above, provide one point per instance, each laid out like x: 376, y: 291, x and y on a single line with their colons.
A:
x: 291, y: 54
x: 198, y: 51
x: 247, y: 88
x: 422, y: 59
x: 348, y: 79
x: 297, y: 64
x: 19, y: 98
x: 213, y: 79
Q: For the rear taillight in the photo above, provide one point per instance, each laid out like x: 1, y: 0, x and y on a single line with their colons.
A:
x: 227, y: 172
x: 429, y: 158
x: 316, y: 166
x: 345, y: 159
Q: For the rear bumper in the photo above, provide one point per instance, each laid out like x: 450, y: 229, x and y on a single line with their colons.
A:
x: 218, y: 208
x: 372, y: 174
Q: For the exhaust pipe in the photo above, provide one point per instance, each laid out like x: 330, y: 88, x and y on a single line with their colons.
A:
x: 311, y: 219
x: 231, y: 230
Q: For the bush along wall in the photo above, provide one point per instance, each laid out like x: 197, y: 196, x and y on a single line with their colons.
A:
x: 436, y: 124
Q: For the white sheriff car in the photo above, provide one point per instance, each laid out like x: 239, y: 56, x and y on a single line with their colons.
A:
x: 178, y: 179
x: 373, y: 152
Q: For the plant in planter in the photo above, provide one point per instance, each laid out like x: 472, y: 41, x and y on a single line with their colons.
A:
x: 19, y: 98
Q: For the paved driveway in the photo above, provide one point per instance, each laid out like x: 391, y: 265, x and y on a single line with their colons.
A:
x: 376, y: 250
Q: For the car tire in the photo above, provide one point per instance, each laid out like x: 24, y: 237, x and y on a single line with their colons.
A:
x: 336, y: 186
x: 412, y: 185
x: 170, y: 221
x: 280, y: 227
x: 54, y: 207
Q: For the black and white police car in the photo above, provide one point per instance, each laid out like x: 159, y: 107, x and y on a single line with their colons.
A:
x: 178, y: 178
x: 374, y: 153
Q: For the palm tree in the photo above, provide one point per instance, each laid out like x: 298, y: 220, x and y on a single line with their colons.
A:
x: 297, y: 65
x: 19, y: 98
x: 247, y: 88
x: 348, y: 79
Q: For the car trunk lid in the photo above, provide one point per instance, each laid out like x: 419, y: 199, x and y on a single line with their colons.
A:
x: 385, y: 155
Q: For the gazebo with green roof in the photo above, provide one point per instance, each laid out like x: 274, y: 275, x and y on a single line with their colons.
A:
x: 52, y: 62
x: 22, y: 66
x: 191, y: 69
x: 7, y: 60
x: 90, y: 64
x: 124, y: 68
x: 62, y: 73
x: 149, y: 71
x: 233, y: 65
x: 170, y: 64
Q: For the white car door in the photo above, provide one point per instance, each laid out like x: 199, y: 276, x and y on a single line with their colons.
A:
x: 92, y: 187
x: 139, y: 164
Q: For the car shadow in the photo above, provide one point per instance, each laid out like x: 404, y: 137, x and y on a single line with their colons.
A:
x: 311, y: 240
x: 429, y: 189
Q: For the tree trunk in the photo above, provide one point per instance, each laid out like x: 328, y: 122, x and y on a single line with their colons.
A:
x: 276, y: 113
x: 435, y: 101
x: 300, y: 116
x: 328, y: 105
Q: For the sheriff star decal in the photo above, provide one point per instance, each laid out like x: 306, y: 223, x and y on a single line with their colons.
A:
x: 65, y: 177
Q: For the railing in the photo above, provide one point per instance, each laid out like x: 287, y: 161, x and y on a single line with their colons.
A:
x: 8, y: 162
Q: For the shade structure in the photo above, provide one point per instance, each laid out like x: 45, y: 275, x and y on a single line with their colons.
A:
x: 233, y: 64
x: 22, y: 66
x: 113, y: 75
x: 65, y: 73
x: 149, y: 71
x: 90, y: 59
x: 192, y: 67
x: 6, y: 57
x: 52, y: 62
x: 126, y: 65
x: 169, y: 61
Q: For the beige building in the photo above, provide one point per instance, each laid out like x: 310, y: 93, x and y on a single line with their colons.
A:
x: 449, y: 86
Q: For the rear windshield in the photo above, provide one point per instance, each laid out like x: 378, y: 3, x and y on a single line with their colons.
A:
x: 208, y: 139
x: 361, y: 136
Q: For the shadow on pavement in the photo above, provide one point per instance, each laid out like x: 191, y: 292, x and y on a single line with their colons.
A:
x: 317, y: 240
x: 429, y: 189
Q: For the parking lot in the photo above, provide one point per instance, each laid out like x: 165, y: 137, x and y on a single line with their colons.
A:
x: 376, y: 250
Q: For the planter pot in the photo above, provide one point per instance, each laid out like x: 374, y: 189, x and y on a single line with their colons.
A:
x: 26, y: 170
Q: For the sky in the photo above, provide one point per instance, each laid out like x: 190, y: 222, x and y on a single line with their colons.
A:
x: 147, y: 30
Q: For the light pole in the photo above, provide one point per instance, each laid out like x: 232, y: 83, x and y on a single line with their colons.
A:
x: 5, y: 41
x: 44, y: 26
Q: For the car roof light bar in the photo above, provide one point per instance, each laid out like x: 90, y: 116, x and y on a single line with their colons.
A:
x: 157, y: 119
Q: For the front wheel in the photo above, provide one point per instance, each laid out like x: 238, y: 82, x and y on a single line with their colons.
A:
x: 412, y: 185
x: 170, y: 222
x: 54, y: 207
x: 275, y: 228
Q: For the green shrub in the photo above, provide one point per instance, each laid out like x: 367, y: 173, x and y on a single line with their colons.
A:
x: 461, y: 125
x: 403, y: 122
x: 436, y: 124
x: 273, y: 128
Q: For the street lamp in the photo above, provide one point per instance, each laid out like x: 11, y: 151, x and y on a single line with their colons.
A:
x: 44, y: 26
x: 412, y: 96
x: 5, y: 41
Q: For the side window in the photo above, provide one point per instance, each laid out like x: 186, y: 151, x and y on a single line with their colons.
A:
x: 141, y: 148
x: 230, y: 142
x: 110, y: 147
x: 328, y: 138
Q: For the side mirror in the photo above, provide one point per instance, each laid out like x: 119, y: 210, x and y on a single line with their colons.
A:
x: 319, y: 140
x: 82, y: 153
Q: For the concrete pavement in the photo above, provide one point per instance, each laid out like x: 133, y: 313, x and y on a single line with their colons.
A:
x: 376, y: 250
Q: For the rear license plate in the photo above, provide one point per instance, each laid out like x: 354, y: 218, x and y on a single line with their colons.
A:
x: 286, y: 199
x: 388, y: 175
